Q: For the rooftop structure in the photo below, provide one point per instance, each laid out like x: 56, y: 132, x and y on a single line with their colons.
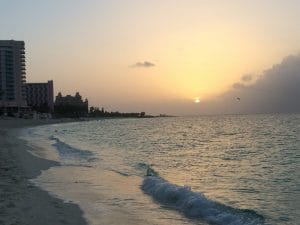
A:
x: 71, y: 106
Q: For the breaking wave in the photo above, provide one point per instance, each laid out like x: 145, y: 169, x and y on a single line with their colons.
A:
x: 70, y: 154
x: 195, y: 205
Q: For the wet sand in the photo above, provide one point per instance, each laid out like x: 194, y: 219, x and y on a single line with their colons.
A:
x: 20, y: 201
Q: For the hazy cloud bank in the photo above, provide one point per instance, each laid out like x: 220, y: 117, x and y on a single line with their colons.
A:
x: 144, y: 64
x: 276, y: 90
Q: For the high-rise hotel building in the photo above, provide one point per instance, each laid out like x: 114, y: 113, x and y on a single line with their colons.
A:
x: 12, y: 74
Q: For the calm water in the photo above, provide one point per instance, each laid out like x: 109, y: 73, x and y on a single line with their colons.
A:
x: 204, y: 170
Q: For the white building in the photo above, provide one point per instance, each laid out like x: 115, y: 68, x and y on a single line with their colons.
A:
x: 12, y: 74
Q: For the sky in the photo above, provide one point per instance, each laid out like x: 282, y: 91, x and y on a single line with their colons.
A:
x: 161, y: 56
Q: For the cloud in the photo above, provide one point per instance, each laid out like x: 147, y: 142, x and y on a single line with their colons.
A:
x: 275, y: 90
x: 145, y: 64
x: 247, y: 78
x: 238, y: 85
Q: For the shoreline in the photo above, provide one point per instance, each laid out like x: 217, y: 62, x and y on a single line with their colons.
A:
x: 21, y: 202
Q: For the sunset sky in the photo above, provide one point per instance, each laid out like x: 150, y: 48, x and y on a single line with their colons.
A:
x: 158, y: 56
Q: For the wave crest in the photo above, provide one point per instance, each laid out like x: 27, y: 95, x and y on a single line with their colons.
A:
x: 196, y: 205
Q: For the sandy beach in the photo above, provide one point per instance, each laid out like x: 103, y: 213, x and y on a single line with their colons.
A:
x: 20, y: 201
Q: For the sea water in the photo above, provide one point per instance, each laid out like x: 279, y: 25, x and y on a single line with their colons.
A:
x: 233, y: 169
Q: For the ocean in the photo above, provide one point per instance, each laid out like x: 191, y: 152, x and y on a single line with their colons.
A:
x: 221, y: 170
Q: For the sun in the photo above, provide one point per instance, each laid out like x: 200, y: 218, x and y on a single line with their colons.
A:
x: 197, y: 100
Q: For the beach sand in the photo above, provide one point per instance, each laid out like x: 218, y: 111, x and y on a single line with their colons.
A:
x: 20, y: 201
